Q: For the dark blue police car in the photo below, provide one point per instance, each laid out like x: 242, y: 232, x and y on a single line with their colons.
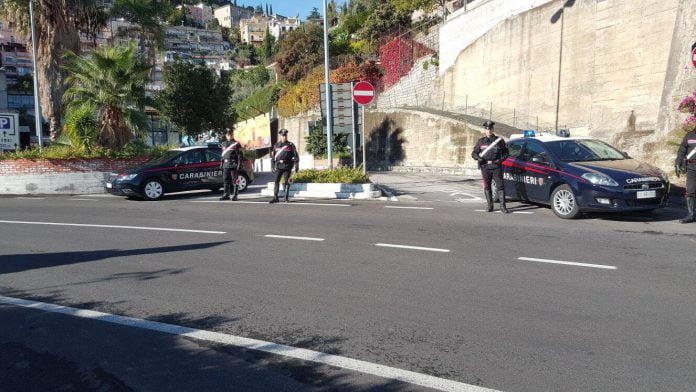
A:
x: 182, y: 169
x: 577, y: 174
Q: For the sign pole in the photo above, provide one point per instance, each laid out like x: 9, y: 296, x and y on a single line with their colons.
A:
x: 364, y: 154
x: 329, y: 96
x: 37, y: 102
x: 355, y: 127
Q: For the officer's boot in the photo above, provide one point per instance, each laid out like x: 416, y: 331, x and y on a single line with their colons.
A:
x: 236, y: 192
x: 501, y: 199
x: 691, y: 207
x: 287, y: 192
x: 226, y: 195
x: 275, y: 194
x: 489, y: 199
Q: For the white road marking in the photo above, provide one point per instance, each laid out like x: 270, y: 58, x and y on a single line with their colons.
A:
x: 265, y: 202
x: 31, y: 198
x: 82, y: 199
x: 410, y: 208
x: 514, y: 212
x: 472, y: 197
x: 413, y: 247
x: 611, y: 267
x: 254, y: 344
x: 112, y: 227
x: 289, y: 237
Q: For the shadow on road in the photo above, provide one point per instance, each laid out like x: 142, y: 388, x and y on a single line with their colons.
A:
x: 25, y: 262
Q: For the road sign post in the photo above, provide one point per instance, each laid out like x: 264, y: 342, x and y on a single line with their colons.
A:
x: 363, y: 94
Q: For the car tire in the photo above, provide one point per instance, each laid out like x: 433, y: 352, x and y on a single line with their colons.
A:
x: 243, y: 182
x: 564, y: 203
x: 152, y: 189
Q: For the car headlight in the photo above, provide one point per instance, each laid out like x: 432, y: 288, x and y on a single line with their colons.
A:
x: 127, y: 177
x: 599, y: 179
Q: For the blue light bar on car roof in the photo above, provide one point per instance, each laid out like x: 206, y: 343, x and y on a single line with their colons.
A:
x: 529, y: 133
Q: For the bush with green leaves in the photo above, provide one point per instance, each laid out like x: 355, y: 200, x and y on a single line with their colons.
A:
x: 340, y: 175
x: 81, y: 127
x: 316, y: 142
x: 136, y: 148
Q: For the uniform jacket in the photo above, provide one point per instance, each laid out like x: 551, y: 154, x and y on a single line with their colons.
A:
x: 495, y: 155
x: 285, y: 156
x: 687, y: 145
x: 231, y: 155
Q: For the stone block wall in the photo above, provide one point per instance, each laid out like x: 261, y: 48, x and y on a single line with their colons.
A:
x: 415, y: 89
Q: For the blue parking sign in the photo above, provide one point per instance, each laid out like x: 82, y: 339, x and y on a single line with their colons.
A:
x: 9, y: 132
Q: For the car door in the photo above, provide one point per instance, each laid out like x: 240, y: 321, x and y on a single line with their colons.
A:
x: 186, y: 167
x: 535, y: 176
x: 213, y: 158
x: 511, y: 169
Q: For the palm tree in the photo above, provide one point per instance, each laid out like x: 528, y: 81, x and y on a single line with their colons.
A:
x: 58, y: 27
x: 112, y: 81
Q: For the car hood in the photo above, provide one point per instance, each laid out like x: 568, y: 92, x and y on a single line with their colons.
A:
x: 625, y: 170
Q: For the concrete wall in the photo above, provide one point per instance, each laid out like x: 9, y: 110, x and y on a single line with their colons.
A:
x: 469, y: 24
x: 399, y: 139
x: 415, y: 89
x: 619, y: 57
x: 298, y: 129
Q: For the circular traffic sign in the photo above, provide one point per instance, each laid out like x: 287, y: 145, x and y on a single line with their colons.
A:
x: 363, y: 93
x: 693, y: 57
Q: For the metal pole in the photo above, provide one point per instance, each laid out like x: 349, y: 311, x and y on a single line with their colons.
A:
x: 355, y: 126
x: 327, y: 76
x: 364, y: 146
x: 37, y: 104
x: 560, y: 65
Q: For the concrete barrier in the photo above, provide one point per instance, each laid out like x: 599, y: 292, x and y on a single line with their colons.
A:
x: 327, y: 191
x: 53, y: 184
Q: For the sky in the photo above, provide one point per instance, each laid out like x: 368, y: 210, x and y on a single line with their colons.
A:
x: 288, y: 7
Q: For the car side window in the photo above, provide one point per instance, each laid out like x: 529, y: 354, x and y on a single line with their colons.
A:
x: 212, y: 156
x: 189, y: 158
x: 515, y: 149
x: 533, y: 150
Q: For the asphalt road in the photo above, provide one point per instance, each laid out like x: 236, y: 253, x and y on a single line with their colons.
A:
x: 438, y: 288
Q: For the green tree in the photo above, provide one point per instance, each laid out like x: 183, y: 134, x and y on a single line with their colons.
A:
x: 383, y: 18
x: 58, y: 27
x: 269, y: 48
x: 299, y: 52
x: 332, y: 13
x: 195, y: 99
x: 81, y: 128
x: 110, y: 81
x: 316, y: 142
x: 314, y: 14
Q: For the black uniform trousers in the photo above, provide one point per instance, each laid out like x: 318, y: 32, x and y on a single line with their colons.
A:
x: 279, y: 175
x: 229, y: 177
x: 490, y: 174
x: 691, y: 181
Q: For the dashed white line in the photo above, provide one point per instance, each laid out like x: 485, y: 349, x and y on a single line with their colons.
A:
x: 265, y: 202
x: 611, y: 267
x: 413, y: 247
x: 82, y: 199
x: 410, y: 208
x: 513, y: 212
x: 356, y: 365
x: 289, y: 237
x: 31, y: 198
x: 112, y: 227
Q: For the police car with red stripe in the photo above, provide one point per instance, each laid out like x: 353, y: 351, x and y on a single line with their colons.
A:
x: 182, y: 169
x: 580, y: 174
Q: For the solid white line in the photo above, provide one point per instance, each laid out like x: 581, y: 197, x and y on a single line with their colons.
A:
x: 413, y: 247
x: 611, y: 267
x: 514, y: 212
x: 411, y: 208
x: 289, y: 237
x: 113, y: 227
x: 257, y: 345
x: 31, y: 198
x: 265, y: 202
x: 229, y: 202
x: 82, y: 199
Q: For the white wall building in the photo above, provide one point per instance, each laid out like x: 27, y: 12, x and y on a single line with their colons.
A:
x: 281, y: 26
x: 230, y: 15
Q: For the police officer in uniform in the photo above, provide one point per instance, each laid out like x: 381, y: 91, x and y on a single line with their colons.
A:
x: 230, y: 165
x: 490, y: 162
x: 688, y: 164
x: 284, y: 158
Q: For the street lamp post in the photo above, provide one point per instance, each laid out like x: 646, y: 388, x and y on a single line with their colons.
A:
x: 329, y: 104
x: 37, y: 104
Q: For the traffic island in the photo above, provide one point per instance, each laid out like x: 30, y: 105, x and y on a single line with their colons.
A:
x: 327, y: 191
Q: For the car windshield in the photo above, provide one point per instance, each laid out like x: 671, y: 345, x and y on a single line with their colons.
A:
x: 584, y: 150
x: 168, y: 156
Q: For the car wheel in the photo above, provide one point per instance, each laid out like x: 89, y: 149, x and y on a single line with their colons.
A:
x: 564, y: 204
x: 153, y: 189
x: 243, y: 182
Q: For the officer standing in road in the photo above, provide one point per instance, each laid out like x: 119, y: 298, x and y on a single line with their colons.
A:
x: 231, y: 162
x: 490, y: 152
x: 284, y: 158
x: 686, y: 161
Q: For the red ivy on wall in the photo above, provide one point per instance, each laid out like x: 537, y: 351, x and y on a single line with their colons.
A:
x: 398, y: 56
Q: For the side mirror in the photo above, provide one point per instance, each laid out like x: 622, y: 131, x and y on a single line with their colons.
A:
x: 540, y: 160
x: 625, y: 154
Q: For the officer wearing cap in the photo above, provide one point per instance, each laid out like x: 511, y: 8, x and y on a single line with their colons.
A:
x: 490, y: 151
x: 231, y: 162
x: 284, y: 158
x: 686, y: 161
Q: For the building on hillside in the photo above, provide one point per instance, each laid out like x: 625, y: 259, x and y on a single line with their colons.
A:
x: 200, y: 13
x: 253, y: 30
x: 279, y: 25
x: 229, y: 15
x: 15, y: 57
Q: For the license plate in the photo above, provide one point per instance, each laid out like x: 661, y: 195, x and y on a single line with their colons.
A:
x: 647, y: 194
x: 109, y: 185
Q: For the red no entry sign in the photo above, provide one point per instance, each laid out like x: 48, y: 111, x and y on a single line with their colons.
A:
x: 693, y: 57
x: 363, y: 93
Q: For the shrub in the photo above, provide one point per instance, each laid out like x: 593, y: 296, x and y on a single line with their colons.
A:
x: 316, y: 142
x: 136, y: 148
x: 81, y: 127
x: 341, y: 175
